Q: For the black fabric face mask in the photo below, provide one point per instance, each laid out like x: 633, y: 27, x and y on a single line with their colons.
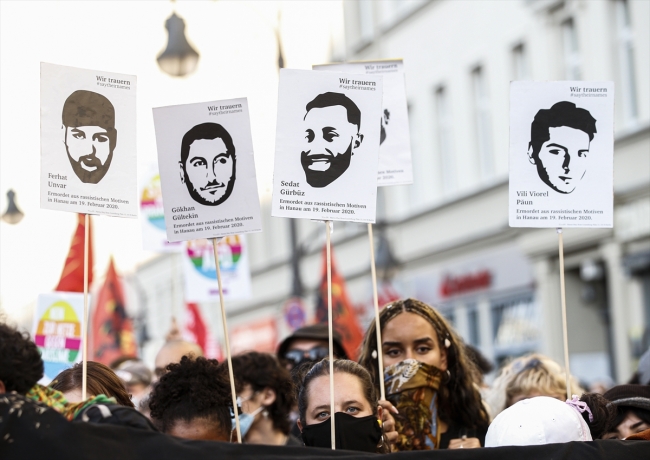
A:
x: 352, y: 433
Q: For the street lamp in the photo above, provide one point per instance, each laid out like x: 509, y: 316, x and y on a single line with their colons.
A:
x: 179, y: 58
x: 385, y: 261
x: 12, y: 215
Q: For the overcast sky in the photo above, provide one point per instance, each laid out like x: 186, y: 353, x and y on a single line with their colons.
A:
x: 237, y: 45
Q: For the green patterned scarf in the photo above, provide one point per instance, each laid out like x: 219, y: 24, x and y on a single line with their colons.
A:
x: 55, y: 399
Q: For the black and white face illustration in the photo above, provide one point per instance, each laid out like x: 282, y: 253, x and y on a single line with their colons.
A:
x: 207, y: 165
x: 559, y: 145
x: 384, y: 123
x: 90, y: 134
x: 331, y: 136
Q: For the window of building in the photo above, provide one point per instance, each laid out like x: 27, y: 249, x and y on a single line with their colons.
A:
x: 515, y: 324
x: 625, y: 49
x: 445, y: 133
x: 571, y: 51
x: 520, y: 63
x: 482, y: 115
x: 473, y: 325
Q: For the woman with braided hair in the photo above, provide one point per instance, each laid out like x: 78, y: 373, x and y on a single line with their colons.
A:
x: 428, y: 377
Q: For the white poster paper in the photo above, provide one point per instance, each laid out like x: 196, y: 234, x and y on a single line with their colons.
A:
x: 57, y: 326
x: 205, y: 157
x: 200, y: 270
x: 327, y: 146
x: 395, y: 166
x: 152, y: 215
x: 561, y: 154
x: 88, y: 143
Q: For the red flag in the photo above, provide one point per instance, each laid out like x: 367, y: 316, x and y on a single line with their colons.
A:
x: 112, y: 330
x: 197, y: 331
x: 72, y: 277
x: 195, y: 327
x: 345, y: 319
x: 386, y: 294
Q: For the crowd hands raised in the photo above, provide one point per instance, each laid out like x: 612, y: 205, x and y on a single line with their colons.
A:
x: 435, y: 394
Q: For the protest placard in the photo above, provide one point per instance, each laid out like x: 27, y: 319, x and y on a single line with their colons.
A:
x: 207, y: 171
x: 200, y: 271
x: 327, y: 146
x: 561, y: 154
x: 57, y: 326
x: 152, y: 215
x: 395, y: 166
x: 88, y: 141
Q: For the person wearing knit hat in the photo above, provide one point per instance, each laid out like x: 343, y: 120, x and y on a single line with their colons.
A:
x: 632, y: 404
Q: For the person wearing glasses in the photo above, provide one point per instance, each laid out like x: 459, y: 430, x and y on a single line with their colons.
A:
x: 309, y: 344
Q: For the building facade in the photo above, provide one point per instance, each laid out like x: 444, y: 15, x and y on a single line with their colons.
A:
x: 448, y: 232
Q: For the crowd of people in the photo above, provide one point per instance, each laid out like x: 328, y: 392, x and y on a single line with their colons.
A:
x: 436, y: 396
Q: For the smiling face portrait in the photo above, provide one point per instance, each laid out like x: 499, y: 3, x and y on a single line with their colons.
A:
x: 559, y: 147
x: 331, y: 136
x: 90, y: 134
x: 207, y: 165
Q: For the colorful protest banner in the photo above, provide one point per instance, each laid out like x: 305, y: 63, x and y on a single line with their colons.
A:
x: 57, y: 326
x: 152, y: 215
x: 327, y: 146
x: 207, y: 170
x: 199, y: 269
x: 395, y: 166
x: 561, y: 154
x: 88, y: 141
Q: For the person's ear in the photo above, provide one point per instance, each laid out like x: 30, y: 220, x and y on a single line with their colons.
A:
x: 268, y: 396
x: 531, y: 158
x: 3, y: 388
x: 299, y: 423
x: 182, y: 171
x: 443, y: 359
x: 358, y: 141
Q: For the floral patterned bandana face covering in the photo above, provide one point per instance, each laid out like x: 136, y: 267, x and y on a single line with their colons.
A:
x: 412, y: 387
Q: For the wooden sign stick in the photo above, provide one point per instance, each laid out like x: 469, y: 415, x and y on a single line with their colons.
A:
x: 330, y: 322
x: 225, y: 334
x: 84, y: 332
x: 564, y: 321
x: 375, y: 298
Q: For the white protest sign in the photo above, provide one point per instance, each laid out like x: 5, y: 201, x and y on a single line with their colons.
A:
x: 561, y: 154
x: 57, y: 326
x: 200, y: 271
x: 327, y: 146
x: 152, y: 215
x: 395, y: 166
x: 88, y: 143
x: 205, y: 158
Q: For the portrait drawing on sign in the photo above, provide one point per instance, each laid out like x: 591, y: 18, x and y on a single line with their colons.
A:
x: 207, y: 165
x: 90, y: 134
x: 560, y: 138
x: 384, y: 123
x: 331, y: 136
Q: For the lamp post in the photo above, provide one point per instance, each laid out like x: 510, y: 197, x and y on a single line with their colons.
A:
x: 12, y: 215
x: 179, y: 57
x: 385, y: 260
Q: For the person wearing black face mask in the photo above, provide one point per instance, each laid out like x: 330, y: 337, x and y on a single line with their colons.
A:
x: 357, y: 413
